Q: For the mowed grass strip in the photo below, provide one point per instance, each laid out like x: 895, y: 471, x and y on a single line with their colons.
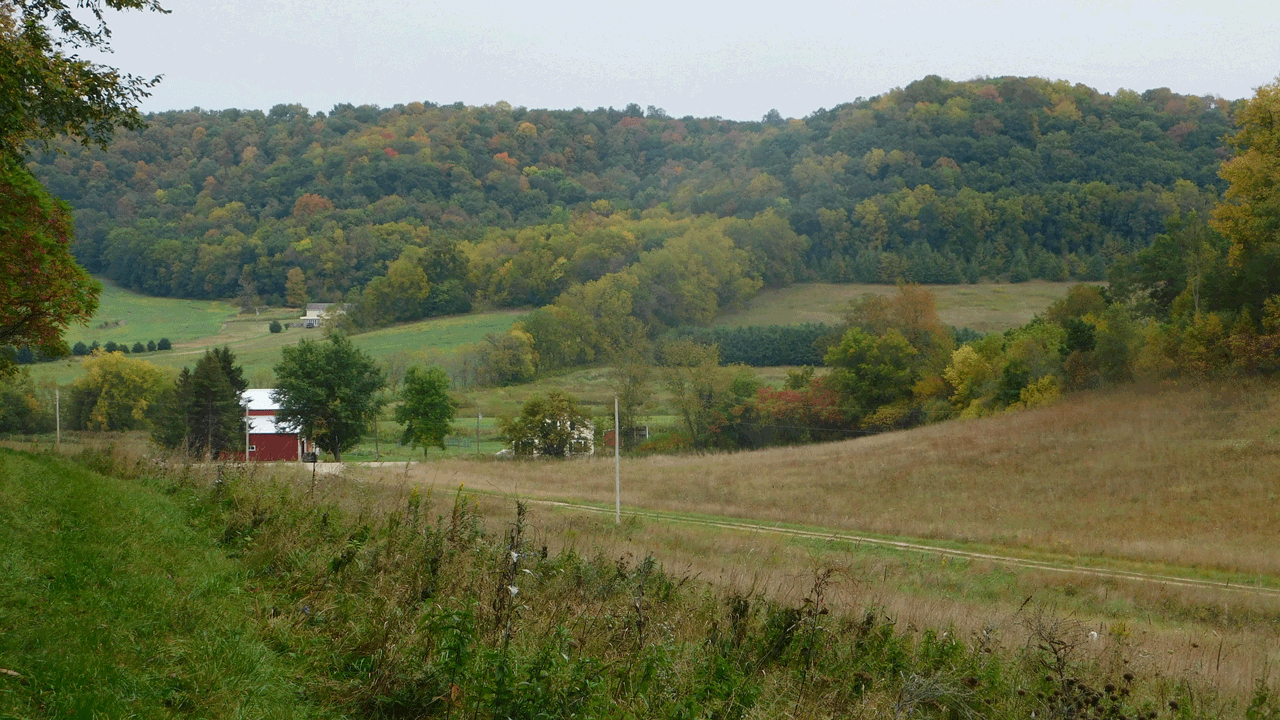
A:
x: 112, y: 606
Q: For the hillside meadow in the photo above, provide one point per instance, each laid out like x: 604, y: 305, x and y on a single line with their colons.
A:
x: 193, y: 326
x: 1169, y: 474
x: 125, y: 316
x: 981, y: 307
x: 1167, y: 481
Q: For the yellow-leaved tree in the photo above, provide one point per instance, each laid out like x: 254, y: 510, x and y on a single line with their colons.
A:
x: 1250, y: 217
x: 116, y: 393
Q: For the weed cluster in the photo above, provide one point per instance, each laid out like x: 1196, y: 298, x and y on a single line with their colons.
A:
x: 355, y: 599
x: 400, y: 608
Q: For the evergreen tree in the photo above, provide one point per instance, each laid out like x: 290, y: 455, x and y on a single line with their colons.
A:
x: 202, y: 412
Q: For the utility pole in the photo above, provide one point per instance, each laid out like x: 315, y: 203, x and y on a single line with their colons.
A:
x: 57, y: 413
x: 617, y: 467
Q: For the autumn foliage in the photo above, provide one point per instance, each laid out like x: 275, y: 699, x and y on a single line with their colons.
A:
x: 42, y: 290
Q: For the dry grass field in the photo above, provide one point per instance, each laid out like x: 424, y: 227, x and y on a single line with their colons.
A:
x: 1181, y: 481
x: 989, y: 307
x: 1174, y: 481
x: 1181, y: 476
x: 1223, y: 640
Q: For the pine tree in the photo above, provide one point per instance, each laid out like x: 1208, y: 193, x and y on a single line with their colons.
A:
x: 203, y: 414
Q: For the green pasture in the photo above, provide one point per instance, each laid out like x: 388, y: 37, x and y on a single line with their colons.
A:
x: 127, y: 316
x: 437, y: 340
x: 194, y: 326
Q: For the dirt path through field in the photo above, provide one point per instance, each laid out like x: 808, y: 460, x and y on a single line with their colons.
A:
x: 855, y: 539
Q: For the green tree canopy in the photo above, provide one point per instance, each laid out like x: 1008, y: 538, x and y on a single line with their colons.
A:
x: 512, y: 207
x: 22, y: 409
x: 871, y: 371
x: 42, y: 289
x: 630, y: 378
x: 328, y: 390
x: 702, y: 390
x: 115, y: 393
x: 46, y: 91
x: 427, y: 409
x: 553, y: 425
x: 202, y: 413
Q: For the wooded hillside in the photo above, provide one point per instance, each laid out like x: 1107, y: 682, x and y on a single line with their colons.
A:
x: 936, y: 182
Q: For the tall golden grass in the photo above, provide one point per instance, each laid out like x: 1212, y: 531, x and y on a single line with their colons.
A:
x: 1180, y: 479
x: 1186, y: 476
x: 1221, y: 640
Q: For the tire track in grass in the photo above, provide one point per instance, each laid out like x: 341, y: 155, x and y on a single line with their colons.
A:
x: 855, y: 539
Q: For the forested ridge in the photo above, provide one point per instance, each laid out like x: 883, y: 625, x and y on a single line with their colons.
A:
x: 940, y: 181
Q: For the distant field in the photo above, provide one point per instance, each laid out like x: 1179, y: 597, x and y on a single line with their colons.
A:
x: 437, y: 338
x: 989, y: 307
x: 590, y: 386
x: 127, y: 316
x: 196, y: 325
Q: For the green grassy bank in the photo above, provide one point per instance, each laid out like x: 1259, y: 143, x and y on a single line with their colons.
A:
x: 113, y: 605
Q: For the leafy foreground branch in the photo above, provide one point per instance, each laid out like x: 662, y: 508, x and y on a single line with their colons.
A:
x: 385, y: 604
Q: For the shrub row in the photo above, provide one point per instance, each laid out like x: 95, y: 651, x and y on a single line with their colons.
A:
x: 765, y: 345
x: 30, y: 356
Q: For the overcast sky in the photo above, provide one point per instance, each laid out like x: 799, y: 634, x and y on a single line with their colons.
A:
x: 690, y: 57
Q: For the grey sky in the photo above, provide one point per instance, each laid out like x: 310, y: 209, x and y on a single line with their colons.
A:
x: 689, y: 57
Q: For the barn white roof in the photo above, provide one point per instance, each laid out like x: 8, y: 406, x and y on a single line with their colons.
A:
x: 259, y: 399
x: 267, y: 425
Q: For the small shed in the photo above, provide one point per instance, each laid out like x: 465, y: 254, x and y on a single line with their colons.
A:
x: 269, y: 440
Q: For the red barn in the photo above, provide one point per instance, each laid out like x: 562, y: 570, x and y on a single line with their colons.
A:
x: 267, y: 439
